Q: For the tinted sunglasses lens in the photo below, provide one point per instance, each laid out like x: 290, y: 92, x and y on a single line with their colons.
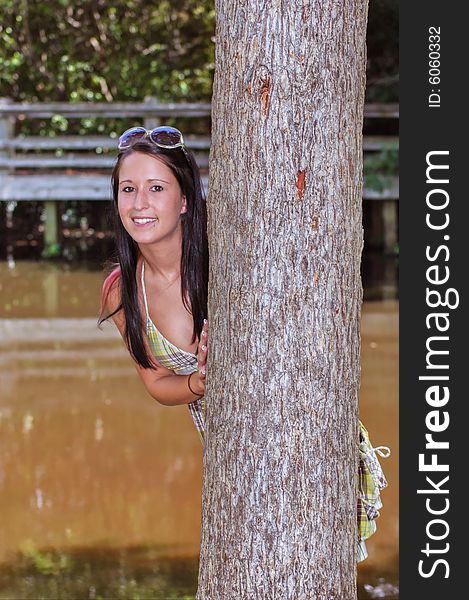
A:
x: 166, y: 136
x: 131, y: 136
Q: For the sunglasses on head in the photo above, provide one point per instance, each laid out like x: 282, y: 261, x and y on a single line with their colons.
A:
x: 164, y: 137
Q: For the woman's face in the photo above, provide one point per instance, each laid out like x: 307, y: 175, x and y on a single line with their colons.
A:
x: 150, y: 200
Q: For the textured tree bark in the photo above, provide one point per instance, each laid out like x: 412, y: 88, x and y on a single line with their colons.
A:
x: 285, y: 231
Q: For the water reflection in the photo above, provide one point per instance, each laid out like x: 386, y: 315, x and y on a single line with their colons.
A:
x: 102, y: 485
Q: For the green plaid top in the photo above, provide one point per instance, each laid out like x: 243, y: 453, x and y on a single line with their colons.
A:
x: 174, y: 358
x: 371, y: 479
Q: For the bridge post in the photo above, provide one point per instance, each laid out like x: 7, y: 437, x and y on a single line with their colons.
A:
x: 51, y: 229
x: 7, y: 129
x: 390, y: 227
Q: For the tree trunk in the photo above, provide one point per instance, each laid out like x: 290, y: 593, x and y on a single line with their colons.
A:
x: 285, y: 231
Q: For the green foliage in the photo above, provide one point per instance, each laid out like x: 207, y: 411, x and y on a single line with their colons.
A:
x: 94, y: 50
x: 46, y: 563
x: 380, y: 168
x: 99, y: 574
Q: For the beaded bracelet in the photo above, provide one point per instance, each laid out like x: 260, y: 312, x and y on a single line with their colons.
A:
x: 189, y: 386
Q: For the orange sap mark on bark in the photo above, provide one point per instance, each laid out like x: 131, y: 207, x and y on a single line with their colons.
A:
x: 266, y: 86
x: 314, y: 223
x: 315, y: 277
x: 300, y: 183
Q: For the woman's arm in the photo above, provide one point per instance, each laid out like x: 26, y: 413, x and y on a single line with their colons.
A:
x: 171, y: 389
x: 161, y: 383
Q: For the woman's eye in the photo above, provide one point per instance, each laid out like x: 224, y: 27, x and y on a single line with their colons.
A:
x: 156, y: 188
x: 128, y: 188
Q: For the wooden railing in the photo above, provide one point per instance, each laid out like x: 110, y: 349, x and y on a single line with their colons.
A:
x: 61, y: 168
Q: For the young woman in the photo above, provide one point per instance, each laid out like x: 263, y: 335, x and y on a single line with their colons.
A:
x: 157, y: 294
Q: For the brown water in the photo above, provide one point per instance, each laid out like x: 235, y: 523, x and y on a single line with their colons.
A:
x: 96, y: 474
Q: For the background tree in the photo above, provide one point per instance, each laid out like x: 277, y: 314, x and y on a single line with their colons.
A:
x: 280, y: 463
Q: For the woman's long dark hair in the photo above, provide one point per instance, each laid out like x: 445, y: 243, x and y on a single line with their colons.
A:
x: 194, y: 258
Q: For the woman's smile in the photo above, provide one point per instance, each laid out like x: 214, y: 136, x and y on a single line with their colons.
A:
x: 144, y: 221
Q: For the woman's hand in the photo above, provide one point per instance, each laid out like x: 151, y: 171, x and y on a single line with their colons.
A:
x: 202, y: 351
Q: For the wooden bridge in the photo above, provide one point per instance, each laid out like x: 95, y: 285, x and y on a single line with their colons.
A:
x: 61, y: 168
